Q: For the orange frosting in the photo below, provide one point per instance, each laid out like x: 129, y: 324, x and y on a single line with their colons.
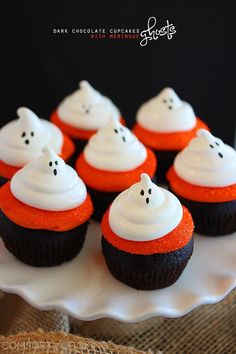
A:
x: 173, y: 241
x: 68, y: 148
x: 108, y: 181
x: 198, y: 193
x: 73, y: 132
x: 33, y: 218
x: 167, y: 141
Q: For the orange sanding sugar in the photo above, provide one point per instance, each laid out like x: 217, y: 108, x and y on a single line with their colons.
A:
x: 33, y: 218
x: 167, y: 141
x: 108, y: 181
x: 73, y: 132
x: 173, y: 241
x: 68, y: 148
x: 198, y: 193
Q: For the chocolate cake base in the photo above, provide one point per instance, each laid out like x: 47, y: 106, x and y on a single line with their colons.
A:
x: 3, y: 181
x: 79, y: 147
x: 211, y: 219
x: 146, y: 272
x: 101, y: 202
x: 41, y: 248
x: 165, y: 160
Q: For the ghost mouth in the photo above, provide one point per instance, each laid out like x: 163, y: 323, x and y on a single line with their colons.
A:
x: 55, y: 172
x: 27, y: 141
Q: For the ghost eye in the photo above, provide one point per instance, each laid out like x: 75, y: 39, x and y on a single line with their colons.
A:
x: 171, y: 100
x: 56, y: 162
x: 164, y: 101
x: 50, y: 163
x: 217, y: 143
x: 116, y: 131
x: 150, y: 191
x: 212, y: 146
x: 142, y: 192
x: 23, y: 134
x: 121, y: 129
x: 32, y: 133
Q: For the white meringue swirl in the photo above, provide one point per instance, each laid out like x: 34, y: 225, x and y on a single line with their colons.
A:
x: 207, y: 161
x: 87, y: 109
x: 144, y: 212
x: 22, y: 140
x: 166, y: 113
x: 48, y: 183
x: 114, y: 148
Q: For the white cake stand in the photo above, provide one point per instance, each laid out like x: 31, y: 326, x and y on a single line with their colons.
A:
x: 86, y: 290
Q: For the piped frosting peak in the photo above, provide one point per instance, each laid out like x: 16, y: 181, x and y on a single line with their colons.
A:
x: 86, y: 108
x: 144, y: 212
x: 22, y: 139
x: 166, y: 113
x: 207, y: 161
x: 114, y: 148
x: 48, y: 183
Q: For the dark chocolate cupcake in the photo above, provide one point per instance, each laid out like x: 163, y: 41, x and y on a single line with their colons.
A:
x: 83, y: 112
x: 204, y: 179
x: 44, y: 212
x: 147, y: 236
x: 166, y: 124
x: 22, y: 140
x: 112, y: 161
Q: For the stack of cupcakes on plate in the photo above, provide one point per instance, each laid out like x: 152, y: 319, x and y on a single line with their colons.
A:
x: 204, y: 178
x: 147, y: 236
x: 166, y: 124
x: 22, y: 140
x: 83, y: 112
x: 44, y: 212
x: 112, y: 161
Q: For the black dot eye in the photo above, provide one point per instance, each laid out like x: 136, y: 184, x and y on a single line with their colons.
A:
x: 32, y: 133
x: 220, y: 154
x: 116, y: 131
x: 56, y: 162
x: 147, y: 200
x: 150, y: 191
x: 217, y: 143
x: 121, y: 129
x: 171, y: 100
x: 50, y: 163
x: 164, y: 101
x: 212, y: 146
x: 142, y: 192
x: 23, y: 134
x: 124, y: 140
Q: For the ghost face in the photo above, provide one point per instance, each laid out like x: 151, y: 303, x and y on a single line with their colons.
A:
x: 205, y: 142
x: 27, y: 136
x: 29, y: 129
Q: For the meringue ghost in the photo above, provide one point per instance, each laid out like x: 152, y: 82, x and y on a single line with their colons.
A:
x: 48, y: 183
x: 87, y: 109
x: 207, y: 161
x: 114, y: 148
x: 166, y: 113
x: 144, y: 212
x: 22, y: 140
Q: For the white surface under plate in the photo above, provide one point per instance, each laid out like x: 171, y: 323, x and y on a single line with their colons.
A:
x: 85, y: 289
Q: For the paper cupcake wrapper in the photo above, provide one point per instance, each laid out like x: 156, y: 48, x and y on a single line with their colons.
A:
x: 165, y: 159
x: 41, y: 248
x: 212, y: 219
x: 146, y: 272
x: 101, y: 202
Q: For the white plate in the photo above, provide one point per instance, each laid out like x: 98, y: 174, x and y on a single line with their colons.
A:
x: 85, y: 289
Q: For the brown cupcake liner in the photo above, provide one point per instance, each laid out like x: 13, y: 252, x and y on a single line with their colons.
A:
x: 146, y: 272
x: 41, y: 248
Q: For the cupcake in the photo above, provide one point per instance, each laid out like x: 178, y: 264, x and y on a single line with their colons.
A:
x: 83, y: 112
x: 204, y: 179
x: 44, y: 212
x: 166, y: 124
x: 22, y: 140
x: 111, y: 162
x: 147, y: 236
